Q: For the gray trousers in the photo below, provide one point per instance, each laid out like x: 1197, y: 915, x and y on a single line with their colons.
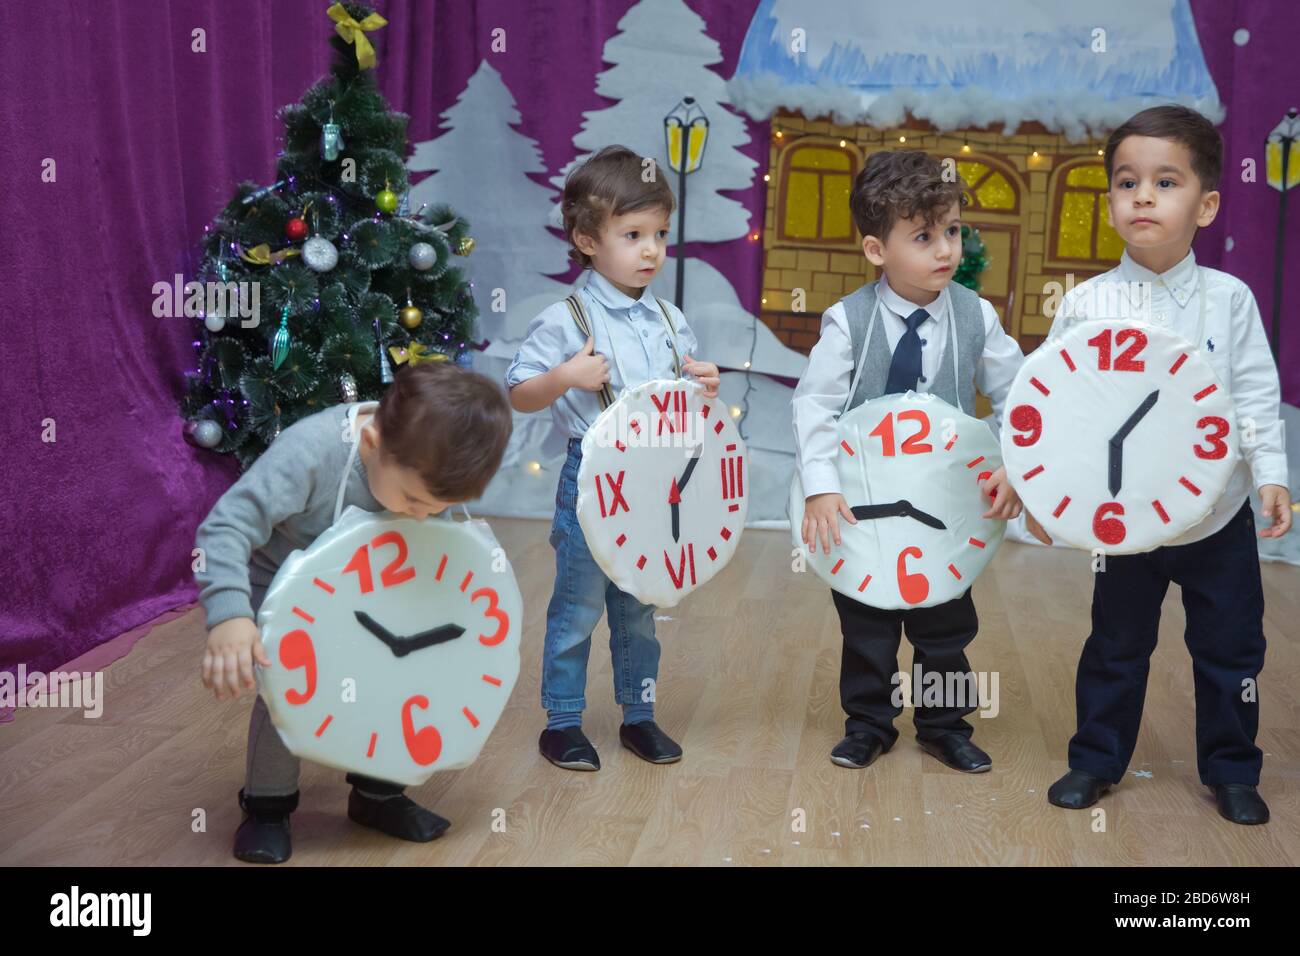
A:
x: 271, y: 770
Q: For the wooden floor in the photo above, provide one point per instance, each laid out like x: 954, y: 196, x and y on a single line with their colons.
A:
x: 748, y: 685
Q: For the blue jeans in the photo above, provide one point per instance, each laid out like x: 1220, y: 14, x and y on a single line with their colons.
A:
x: 582, y: 592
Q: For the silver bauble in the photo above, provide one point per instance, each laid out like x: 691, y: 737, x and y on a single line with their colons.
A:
x: 214, y: 323
x: 319, y: 254
x: 207, y: 433
x: 422, y: 256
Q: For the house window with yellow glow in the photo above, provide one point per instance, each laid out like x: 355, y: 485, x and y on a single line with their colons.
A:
x: 814, y: 206
x: 1083, y: 230
x: 986, y: 188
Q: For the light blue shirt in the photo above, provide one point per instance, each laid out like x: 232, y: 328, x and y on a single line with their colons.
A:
x: 631, y: 329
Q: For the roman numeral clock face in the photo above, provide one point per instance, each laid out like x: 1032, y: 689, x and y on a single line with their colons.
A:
x: 662, y: 490
x: 394, y: 645
x: 1118, y: 436
x: 910, y: 468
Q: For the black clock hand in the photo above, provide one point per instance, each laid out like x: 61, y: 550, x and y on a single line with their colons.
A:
x: 867, y: 512
x: 377, y: 629
x: 897, y: 509
x: 1116, y: 444
x: 437, y: 635
x: 690, y: 467
x: 924, y: 517
x: 403, y: 646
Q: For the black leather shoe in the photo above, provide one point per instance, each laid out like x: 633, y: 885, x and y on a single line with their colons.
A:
x: 1076, y: 790
x: 857, y: 750
x: 263, y: 837
x: 648, y: 742
x: 958, y: 752
x: 398, y: 816
x: 569, y: 748
x: 1240, y: 803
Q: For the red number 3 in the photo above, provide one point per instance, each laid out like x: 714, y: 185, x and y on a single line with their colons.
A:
x: 501, y: 617
x: 1217, y: 447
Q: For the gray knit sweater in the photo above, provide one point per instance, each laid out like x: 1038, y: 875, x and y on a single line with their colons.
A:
x: 282, y: 503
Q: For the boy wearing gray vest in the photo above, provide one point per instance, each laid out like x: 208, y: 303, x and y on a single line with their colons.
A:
x: 904, y: 329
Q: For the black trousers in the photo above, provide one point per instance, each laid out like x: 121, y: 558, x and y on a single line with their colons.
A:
x: 869, y: 662
x: 1224, y: 601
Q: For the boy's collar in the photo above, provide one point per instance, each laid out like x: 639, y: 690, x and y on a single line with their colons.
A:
x: 904, y: 307
x: 611, y: 297
x: 1180, y: 280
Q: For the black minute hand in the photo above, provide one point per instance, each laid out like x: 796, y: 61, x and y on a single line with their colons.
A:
x: 1116, y: 444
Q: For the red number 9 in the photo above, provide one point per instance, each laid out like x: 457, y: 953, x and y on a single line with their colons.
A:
x: 1026, y: 418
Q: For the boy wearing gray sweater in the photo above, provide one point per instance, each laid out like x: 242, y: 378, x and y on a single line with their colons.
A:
x: 435, y: 438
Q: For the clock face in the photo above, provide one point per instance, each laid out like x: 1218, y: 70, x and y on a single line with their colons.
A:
x: 910, y: 468
x: 394, y: 645
x: 662, y: 490
x: 1118, y: 436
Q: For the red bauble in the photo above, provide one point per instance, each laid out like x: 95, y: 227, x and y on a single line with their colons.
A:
x: 296, y: 229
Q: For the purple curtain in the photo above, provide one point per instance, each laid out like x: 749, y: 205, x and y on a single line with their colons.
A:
x: 148, y: 138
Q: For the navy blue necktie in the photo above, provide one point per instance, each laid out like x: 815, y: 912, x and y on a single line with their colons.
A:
x: 905, y: 368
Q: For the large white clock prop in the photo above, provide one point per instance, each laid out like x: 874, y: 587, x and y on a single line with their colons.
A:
x: 394, y: 645
x: 661, y: 490
x: 910, y: 468
x: 1118, y: 436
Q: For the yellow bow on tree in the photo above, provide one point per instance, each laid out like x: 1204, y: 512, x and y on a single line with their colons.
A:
x: 416, y: 354
x: 355, y: 33
x: 261, y: 254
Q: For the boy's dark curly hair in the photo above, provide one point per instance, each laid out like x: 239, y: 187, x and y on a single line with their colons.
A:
x: 899, y: 184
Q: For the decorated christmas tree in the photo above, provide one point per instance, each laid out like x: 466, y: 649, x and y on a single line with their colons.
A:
x: 974, y: 259
x: 316, y: 287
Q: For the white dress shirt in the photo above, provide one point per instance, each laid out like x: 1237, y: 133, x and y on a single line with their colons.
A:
x: 1233, y: 341
x: 824, y: 387
x: 631, y: 329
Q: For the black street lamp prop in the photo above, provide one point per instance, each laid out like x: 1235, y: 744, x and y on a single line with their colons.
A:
x: 686, y: 130
x: 1282, y: 170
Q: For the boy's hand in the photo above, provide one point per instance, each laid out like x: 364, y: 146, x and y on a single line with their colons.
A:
x: 587, y: 370
x: 1276, y: 505
x: 1036, y: 529
x: 706, y: 373
x: 233, y: 645
x: 821, y: 519
x: 1006, y: 503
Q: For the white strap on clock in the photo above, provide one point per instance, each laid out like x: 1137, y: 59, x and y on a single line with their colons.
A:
x: 860, y: 364
x: 352, y: 456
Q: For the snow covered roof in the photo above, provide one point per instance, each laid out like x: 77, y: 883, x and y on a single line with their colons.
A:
x: 1077, y: 68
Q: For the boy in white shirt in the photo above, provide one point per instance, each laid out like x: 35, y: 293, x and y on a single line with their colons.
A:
x: 910, y: 220
x: 1163, y: 166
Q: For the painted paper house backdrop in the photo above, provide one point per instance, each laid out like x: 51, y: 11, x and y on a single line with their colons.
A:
x: 1022, y: 103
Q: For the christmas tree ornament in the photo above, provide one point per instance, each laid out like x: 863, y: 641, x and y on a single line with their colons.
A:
x: 319, y: 254
x: 296, y: 229
x: 331, y: 139
x: 410, y: 316
x: 214, y: 323
x: 261, y: 254
x: 416, y: 353
x: 385, y: 370
x: 264, y: 191
x: 348, y: 388
x: 422, y: 256
x: 204, y: 433
x: 465, y: 246
x: 386, y: 200
x: 354, y: 32
x: 280, y: 344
